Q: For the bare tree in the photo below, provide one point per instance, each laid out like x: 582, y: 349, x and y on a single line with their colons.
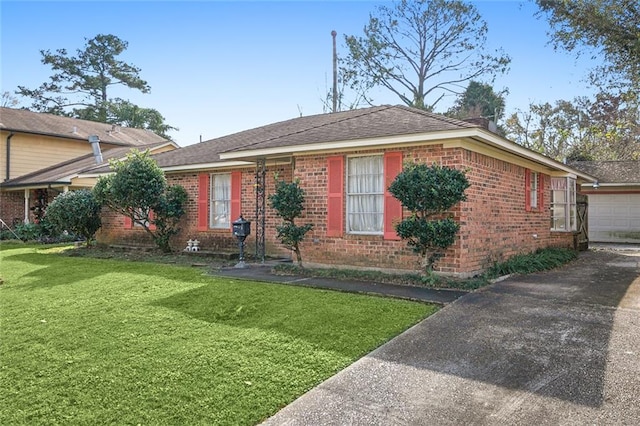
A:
x: 423, y: 49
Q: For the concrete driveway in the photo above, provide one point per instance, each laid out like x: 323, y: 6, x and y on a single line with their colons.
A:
x: 561, y: 347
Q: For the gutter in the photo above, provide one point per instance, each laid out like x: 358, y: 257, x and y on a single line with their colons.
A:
x: 8, y: 172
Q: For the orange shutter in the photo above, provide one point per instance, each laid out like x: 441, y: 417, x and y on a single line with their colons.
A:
x: 203, y: 202
x: 152, y: 226
x: 527, y: 190
x: 392, y: 206
x: 335, y: 196
x: 236, y: 193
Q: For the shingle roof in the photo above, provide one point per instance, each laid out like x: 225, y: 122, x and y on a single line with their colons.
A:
x: 610, y: 171
x: 60, y: 173
x: 19, y: 120
x: 364, y: 123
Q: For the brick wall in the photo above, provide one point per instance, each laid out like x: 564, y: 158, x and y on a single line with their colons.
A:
x: 494, y: 222
x: 113, y: 230
x: 12, y: 207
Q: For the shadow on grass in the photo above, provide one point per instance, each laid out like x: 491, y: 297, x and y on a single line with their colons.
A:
x: 344, y: 323
x: 58, y: 270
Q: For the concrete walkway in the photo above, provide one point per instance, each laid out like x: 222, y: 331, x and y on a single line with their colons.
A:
x: 561, y: 347
x: 258, y: 272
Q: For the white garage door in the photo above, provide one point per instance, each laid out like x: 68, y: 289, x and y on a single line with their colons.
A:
x: 614, y: 218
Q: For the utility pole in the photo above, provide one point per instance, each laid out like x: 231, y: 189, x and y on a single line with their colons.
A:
x: 335, y: 73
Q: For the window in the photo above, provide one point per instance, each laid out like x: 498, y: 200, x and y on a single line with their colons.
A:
x: 533, y: 191
x: 365, y: 195
x: 220, y: 201
x: 563, y: 204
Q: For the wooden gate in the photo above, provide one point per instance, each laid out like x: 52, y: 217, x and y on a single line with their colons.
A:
x: 581, y: 241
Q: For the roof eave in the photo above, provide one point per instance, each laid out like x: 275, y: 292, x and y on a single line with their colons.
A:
x: 475, y: 133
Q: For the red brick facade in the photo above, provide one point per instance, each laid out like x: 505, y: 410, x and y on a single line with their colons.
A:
x: 495, y: 223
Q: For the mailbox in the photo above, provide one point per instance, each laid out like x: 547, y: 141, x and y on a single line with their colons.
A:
x: 241, y: 228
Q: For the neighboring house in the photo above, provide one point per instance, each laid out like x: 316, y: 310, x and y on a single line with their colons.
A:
x: 518, y: 201
x: 41, y: 155
x: 614, y: 201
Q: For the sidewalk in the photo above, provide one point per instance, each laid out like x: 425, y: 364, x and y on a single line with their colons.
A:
x: 259, y: 272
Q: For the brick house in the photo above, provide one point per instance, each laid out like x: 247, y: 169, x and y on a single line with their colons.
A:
x: 42, y: 155
x: 518, y: 201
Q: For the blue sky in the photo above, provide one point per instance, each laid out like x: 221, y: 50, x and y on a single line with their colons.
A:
x: 217, y: 67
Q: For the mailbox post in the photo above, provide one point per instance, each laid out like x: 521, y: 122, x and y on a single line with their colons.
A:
x: 241, y: 230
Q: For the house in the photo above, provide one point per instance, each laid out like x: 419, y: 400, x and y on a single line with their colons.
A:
x: 518, y: 201
x: 614, y: 200
x: 41, y: 155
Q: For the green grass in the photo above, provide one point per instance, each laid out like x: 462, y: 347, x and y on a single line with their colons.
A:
x: 102, y: 341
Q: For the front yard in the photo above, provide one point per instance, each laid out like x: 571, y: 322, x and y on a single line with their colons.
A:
x: 102, y: 341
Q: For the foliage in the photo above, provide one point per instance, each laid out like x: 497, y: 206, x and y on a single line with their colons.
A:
x: 478, y: 100
x: 288, y: 202
x: 606, y: 128
x: 138, y: 189
x: 540, y: 260
x: 89, y: 335
x: 422, y: 49
x: 429, y: 191
x: 77, y: 212
x: 80, y: 86
x: 609, y: 26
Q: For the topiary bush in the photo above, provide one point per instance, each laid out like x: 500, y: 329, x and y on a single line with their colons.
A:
x: 428, y: 192
x: 288, y: 202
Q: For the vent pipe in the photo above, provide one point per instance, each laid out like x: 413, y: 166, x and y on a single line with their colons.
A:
x: 94, y: 140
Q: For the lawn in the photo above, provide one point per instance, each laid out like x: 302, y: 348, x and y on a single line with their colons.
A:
x: 101, y: 341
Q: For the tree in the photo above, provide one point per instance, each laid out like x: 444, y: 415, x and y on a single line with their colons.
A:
x: 478, y: 100
x: 423, y: 49
x: 80, y: 85
x: 610, y: 26
x: 288, y: 202
x: 77, y: 212
x: 7, y: 100
x: 138, y: 189
x: 428, y: 192
x: 605, y: 128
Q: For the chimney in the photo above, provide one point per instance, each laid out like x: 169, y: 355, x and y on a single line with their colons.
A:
x: 94, y: 140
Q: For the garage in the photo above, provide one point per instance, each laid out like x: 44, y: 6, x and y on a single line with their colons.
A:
x: 614, y: 218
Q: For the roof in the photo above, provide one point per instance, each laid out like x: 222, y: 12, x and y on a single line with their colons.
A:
x: 62, y: 173
x: 623, y: 172
x: 357, y: 124
x: 24, y: 121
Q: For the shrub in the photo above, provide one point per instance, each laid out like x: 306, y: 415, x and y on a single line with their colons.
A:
x: 288, y: 202
x: 77, y: 212
x: 429, y: 191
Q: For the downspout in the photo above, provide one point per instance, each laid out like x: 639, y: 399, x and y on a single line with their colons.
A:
x: 8, y: 173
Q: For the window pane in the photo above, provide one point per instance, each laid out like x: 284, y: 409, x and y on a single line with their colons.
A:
x: 365, y: 194
x: 220, y: 200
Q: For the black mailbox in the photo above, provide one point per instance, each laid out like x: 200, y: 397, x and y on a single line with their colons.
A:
x: 241, y: 228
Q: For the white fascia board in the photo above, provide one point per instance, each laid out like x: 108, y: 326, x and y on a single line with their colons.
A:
x: 611, y: 185
x: 207, y: 166
x: 473, y: 133
x: 507, y: 145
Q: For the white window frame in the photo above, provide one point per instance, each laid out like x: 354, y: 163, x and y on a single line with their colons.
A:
x: 215, y: 198
x: 378, y: 201
x: 563, y: 204
x: 533, y: 190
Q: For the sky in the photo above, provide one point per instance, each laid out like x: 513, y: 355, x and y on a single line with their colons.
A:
x: 217, y: 67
